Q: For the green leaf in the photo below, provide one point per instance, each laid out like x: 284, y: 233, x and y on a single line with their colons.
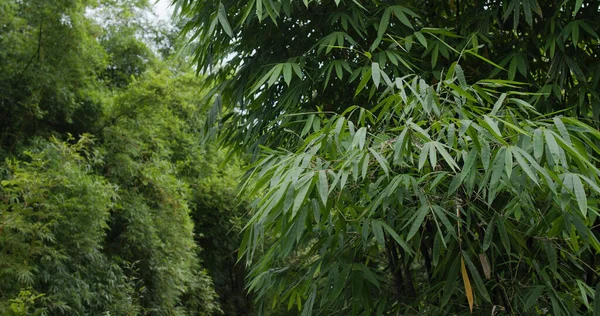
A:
x: 323, y: 186
x: 287, y: 73
x: 492, y: 126
x: 479, y: 285
x: 382, y: 161
x: 384, y: 22
x: 439, y: 212
x: 360, y: 138
x: 498, y: 104
x: 485, y: 154
x: 525, y: 166
x: 582, y: 290
x: 424, y: 154
x: 580, y: 194
x: 300, y: 197
x: 275, y: 74
x: 378, y: 232
x: 551, y: 254
x: 450, y: 284
x: 400, y: 144
x: 421, y: 39
x: 460, y: 74
x: 508, y: 162
x: 562, y: 129
x: 578, y: 4
x: 418, y: 221
x: 538, y: 144
x: 527, y: 11
x: 376, y: 73
x: 503, y: 234
x: 297, y: 70
x: 397, y: 238
x: 433, y: 157
x: 368, y: 274
x: 489, y: 233
x: 469, y: 164
x: 552, y: 146
x: 401, y: 16
x: 449, y: 160
x: 363, y: 82
x: 533, y: 297
x: 223, y: 20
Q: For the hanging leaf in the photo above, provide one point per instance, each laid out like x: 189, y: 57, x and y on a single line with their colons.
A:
x: 467, y: 283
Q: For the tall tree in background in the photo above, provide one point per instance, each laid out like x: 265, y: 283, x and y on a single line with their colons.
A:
x: 430, y: 157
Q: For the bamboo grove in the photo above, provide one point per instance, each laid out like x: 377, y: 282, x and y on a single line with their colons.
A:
x: 108, y: 199
x: 411, y: 157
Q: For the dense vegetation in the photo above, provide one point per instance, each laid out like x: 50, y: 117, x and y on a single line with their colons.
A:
x: 412, y: 157
x: 109, y: 203
x: 402, y: 158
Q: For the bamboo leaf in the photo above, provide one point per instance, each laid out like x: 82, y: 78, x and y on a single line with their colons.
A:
x: 384, y: 22
x: 525, y: 166
x: 580, y: 195
x: 397, y: 238
x: 479, y: 285
x: 421, y: 39
x: 287, y: 73
x: 323, y: 186
x: 363, y: 82
x: 578, y: 4
x: 449, y: 160
x: 485, y: 265
x: 423, y: 155
x: 378, y: 232
x: 382, y: 161
x: 418, y: 221
x: 467, y: 283
x: 376, y: 74
x: 300, y: 197
x: 508, y: 162
x: 533, y: 297
x: 222, y: 15
x: 498, y: 104
x: 489, y: 233
x: 552, y: 145
x: 449, y: 286
x: 538, y: 144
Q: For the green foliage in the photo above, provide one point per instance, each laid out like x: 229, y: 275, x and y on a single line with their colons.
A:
x: 22, y: 305
x: 49, y: 61
x: 151, y: 222
x: 111, y: 223
x: 106, y: 227
x: 218, y: 212
x: 405, y: 147
x: 391, y: 204
x: 54, y: 214
x: 297, y: 56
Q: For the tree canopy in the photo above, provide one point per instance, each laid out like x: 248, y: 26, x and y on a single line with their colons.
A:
x: 413, y: 157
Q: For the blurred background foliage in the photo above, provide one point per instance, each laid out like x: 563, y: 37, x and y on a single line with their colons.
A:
x: 109, y: 203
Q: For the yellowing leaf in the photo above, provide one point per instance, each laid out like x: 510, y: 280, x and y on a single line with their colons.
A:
x: 468, y: 288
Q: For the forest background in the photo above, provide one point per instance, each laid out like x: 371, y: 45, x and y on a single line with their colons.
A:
x: 395, y: 157
x: 109, y: 201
